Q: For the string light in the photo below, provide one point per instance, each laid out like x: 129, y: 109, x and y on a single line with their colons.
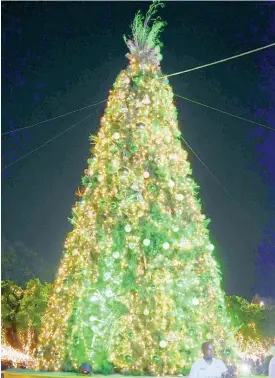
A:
x: 15, y: 357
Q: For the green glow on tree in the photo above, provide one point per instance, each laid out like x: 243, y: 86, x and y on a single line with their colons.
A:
x: 138, y: 287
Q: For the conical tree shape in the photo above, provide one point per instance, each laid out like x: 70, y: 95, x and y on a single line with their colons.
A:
x: 138, y: 287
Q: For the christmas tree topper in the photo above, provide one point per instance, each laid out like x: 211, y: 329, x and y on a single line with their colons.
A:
x: 144, y: 44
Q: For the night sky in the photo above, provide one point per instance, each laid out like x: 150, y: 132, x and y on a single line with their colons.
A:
x: 60, y: 56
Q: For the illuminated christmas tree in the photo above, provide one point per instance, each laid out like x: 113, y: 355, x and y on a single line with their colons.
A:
x: 138, y: 287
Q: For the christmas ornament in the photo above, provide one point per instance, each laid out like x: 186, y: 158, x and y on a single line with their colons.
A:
x: 113, y: 148
x: 57, y: 290
x: 113, y: 205
x: 156, y: 359
x: 132, y: 245
x: 146, y: 100
x: 116, y: 255
x: 152, y: 188
x: 108, y: 262
x: 128, y: 358
x: 138, y: 104
x: 95, y: 329
x: 146, y: 312
x: 171, y: 336
x: 139, y: 197
x: 210, y: 247
x: 124, y: 172
x: 92, y: 318
x: 146, y: 242
x: 140, y: 271
x: 90, y: 172
x: 171, y: 183
x: 75, y: 252
x: 135, y: 187
x: 141, y: 126
x: 176, y: 229
x: 183, y: 242
x: 163, y: 344
x: 103, y: 204
x: 172, y: 156
x: 166, y: 245
x: 124, y: 108
x: 94, y: 298
x: 100, y: 178
x: 133, y: 147
x: 107, y: 276
x: 116, y: 136
x: 180, y: 197
x: 128, y: 228
x: 109, y: 293
x: 136, y: 80
x: 130, y: 335
x: 195, y: 301
x: 146, y: 174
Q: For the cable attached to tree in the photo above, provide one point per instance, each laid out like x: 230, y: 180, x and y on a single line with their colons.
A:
x: 215, y: 178
x: 49, y: 140
x: 227, y: 113
x: 52, y: 119
x: 220, y: 61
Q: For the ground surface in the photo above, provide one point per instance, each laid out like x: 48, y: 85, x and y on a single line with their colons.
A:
x: 17, y: 372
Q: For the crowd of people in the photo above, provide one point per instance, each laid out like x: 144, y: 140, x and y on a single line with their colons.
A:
x: 258, y: 366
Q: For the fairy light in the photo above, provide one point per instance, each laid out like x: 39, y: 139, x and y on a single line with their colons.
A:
x: 16, y: 357
x: 252, y: 347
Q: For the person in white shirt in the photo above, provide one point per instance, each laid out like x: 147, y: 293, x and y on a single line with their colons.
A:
x: 271, y: 367
x: 208, y: 366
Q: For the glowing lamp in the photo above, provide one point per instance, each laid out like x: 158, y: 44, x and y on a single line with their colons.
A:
x: 85, y: 369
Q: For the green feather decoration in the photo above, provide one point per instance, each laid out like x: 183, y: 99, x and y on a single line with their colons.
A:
x: 144, y: 44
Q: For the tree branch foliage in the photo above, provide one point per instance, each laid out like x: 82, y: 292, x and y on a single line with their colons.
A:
x: 251, y: 319
x: 22, y: 308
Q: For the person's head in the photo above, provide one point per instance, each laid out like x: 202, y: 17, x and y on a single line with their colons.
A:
x: 207, y: 350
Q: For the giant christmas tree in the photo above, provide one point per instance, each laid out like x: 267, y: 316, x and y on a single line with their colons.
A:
x: 138, y: 287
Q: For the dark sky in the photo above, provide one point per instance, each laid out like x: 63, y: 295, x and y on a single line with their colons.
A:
x: 60, y: 56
